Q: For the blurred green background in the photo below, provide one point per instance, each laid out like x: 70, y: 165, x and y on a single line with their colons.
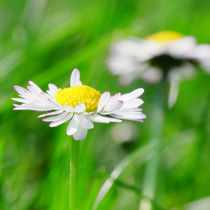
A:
x: 43, y: 41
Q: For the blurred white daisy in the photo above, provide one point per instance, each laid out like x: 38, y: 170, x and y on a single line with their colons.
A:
x: 166, y: 54
x: 124, y: 132
x: 79, y: 104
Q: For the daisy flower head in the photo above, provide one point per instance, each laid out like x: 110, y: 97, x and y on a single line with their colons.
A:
x: 79, y: 104
x: 162, y: 55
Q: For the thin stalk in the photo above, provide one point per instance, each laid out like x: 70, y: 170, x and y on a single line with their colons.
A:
x: 150, y: 176
x: 74, y: 175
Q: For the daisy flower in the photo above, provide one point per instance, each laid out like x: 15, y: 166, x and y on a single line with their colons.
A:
x: 157, y: 56
x: 79, y: 104
x: 165, y: 55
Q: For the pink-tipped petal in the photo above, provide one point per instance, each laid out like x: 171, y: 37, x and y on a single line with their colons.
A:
x: 20, y: 90
x: 116, y: 105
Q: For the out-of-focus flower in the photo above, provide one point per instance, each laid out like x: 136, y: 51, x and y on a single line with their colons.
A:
x: 124, y: 132
x: 166, y: 54
x: 202, y: 203
x: 79, y: 104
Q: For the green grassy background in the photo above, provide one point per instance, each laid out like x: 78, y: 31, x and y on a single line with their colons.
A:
x: 43, y: 41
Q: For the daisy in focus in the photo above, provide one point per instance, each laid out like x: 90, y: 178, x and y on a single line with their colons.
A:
x: 79, y: 104
x: 164, y: 55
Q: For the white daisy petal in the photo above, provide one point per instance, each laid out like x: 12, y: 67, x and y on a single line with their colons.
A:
x: 134, y: 94
x: 133, y: 103
x: 61, y: 121
x: 69, y: 108
x: 75, y: 78
x: 80, y: 108
x: 80, y: 134
x: 31, y: 107
x: 56, y: 118
x: 34, y: 87
x: 73, y: 126
x: 52, y: 89
x: 116, y: 96
x: 17, y: 107
x: 102, y: 119
x: 51, y: 113
x: 35, y: 99
x: 103, y: 101
x: 131, y: 116
x: 22, y: 91
x: 85, y: 122
x: 113, y: 106
x: 19, y: 100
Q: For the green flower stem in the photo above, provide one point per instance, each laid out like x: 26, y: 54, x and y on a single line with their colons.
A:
x: 74, y: 175
x: 150, y: 176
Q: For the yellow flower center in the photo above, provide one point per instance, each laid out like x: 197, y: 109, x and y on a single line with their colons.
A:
x: 82, y: 94
x: 165, y: 36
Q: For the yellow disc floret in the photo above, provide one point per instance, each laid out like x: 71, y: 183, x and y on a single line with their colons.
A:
x: 82, y: 94
x: 165, y: 36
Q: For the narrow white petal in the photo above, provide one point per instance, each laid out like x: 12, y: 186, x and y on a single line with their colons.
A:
x: 134, y: 94
x: 80, y: 134
x: 134, y: 103
x: 18, y: 107
x: 39, y: 97
x: 35, y: 99
x: 68, y: 108
x: 56, y: 118
x: 52, y: 89
x: 73, y: 126
x: 75, y: 78
x: 130, y: 116
x: 34, y: 87
x: 48, y: 98
x: 21, y: 100
x: 114, y: 106
x: 32, y: 107
x: 133, y: 110
x: 116, y: 97
x: 40, y: 107
x: 85, y: 122
x: 22, y: 91
x: 103, y: 101
x: 50, y: 113
x: 103, y: 119
x: 61, y: 121
x: 80, y: 108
